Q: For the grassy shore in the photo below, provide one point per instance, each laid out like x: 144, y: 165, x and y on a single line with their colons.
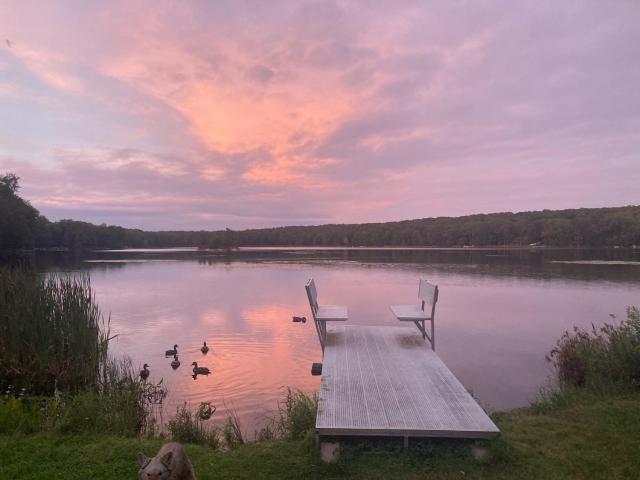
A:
x: 90, y: 423
x: 586, y: 436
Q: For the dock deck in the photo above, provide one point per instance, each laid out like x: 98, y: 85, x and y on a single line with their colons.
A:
x: 386, y: 381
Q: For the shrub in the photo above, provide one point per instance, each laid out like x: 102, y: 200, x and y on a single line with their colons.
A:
x: 599, y: 357
x: 295, y: 418
x: 114, y: 412
x: 266, y: 433
x: 20, y: 414
x: 127, y: 401
x: 186, y: 427
x: 121, y: 405
x: 297, y: 414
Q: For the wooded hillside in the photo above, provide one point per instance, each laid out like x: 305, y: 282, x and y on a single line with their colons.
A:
x: 22, y: 227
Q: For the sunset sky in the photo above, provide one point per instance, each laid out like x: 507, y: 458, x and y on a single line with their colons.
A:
x: 205, y: 115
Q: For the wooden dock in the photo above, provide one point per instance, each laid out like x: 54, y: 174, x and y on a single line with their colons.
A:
x: 386, y: 381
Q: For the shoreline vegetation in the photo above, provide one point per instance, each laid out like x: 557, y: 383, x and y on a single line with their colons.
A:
x: 22, y: 228
x: 91, y: 424
x: 588, y: 437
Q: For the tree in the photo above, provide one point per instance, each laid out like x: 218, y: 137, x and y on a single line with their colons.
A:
x: 19, y: 221
x: 10, y: 181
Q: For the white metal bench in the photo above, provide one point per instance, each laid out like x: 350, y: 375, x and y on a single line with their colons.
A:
x: 323, y: 313
x: 419, y: 315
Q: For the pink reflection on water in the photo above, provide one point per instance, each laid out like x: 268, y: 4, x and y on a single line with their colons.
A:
x: 245, y: 318
x: 492, y: 331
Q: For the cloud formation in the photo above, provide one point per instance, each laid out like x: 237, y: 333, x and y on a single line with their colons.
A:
x: 190, y: 115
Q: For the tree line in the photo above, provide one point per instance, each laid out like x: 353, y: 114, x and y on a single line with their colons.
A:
x: 22, y: 227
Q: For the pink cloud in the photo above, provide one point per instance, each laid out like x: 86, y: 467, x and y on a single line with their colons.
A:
x: 264, y: 114
x: 52, y: 67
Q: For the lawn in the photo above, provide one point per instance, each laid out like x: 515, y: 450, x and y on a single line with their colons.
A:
x: 590, y: 437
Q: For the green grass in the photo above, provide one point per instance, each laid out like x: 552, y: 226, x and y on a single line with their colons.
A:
x: 589, y: 436
x: 121, y: 405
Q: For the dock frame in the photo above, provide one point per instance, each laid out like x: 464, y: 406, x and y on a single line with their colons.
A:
x: 387, y: 381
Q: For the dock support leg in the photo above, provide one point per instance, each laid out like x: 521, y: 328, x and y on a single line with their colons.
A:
x: 433, y: 335
x: 321, y: 328
x: 329, y: 451
x: 406, y: 443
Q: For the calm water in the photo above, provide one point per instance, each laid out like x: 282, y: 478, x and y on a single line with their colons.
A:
x: 498, y: 314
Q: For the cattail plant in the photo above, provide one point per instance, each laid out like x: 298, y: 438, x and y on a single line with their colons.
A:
x: 51, y: 332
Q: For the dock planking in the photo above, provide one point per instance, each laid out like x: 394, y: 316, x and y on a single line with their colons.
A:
x: 386, y: 381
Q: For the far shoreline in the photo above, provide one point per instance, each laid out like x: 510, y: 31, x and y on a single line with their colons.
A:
x: 280, y: 248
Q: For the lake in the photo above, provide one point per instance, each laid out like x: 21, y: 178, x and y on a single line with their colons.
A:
x: 498, y: 314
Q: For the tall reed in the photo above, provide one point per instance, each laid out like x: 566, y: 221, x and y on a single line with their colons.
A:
x: 297, y: 414
x: 54, y: 342
x: 52, y: 332
x: 601, y: 357
x: 296, y: 417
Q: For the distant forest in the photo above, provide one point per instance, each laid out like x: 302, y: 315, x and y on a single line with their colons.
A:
x: 23, y: 228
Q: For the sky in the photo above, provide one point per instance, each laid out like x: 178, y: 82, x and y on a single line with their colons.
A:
x: 205, y: 115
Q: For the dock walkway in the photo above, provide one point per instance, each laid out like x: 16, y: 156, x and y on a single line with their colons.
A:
x: 386, y: 381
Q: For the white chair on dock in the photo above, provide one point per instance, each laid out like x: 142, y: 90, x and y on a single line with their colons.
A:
x: 323, y: 313
x: 428, y: 295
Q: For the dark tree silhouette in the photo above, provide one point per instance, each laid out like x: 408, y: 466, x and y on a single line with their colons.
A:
x: 21, y: 226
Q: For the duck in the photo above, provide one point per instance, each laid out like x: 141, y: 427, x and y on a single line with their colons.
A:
x: 206, y: 410
x: 168, y: 353
x: 200, y: 370
x: 144, y: 373
x: 175, y: 363
x: 204, y: 348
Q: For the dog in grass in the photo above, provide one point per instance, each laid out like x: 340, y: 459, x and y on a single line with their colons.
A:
x: 170, y: 463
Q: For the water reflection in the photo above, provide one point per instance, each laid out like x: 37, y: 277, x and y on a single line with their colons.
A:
x: 498, y: 314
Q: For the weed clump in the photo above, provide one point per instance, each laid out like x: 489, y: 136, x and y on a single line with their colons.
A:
x: 600, y: 358
x: 295, y: 418
x: 187, y: 427
x: 232, y: 432
x: 297, y: 414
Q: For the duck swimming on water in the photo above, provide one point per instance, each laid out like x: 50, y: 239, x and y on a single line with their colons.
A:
x: 175, y: 363
x: 144, y: 373
x: 204, y: 348
x: 169, y: 353
x: 200, y: 370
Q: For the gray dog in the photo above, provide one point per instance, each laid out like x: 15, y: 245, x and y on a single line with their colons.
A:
x: 171, y: 463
